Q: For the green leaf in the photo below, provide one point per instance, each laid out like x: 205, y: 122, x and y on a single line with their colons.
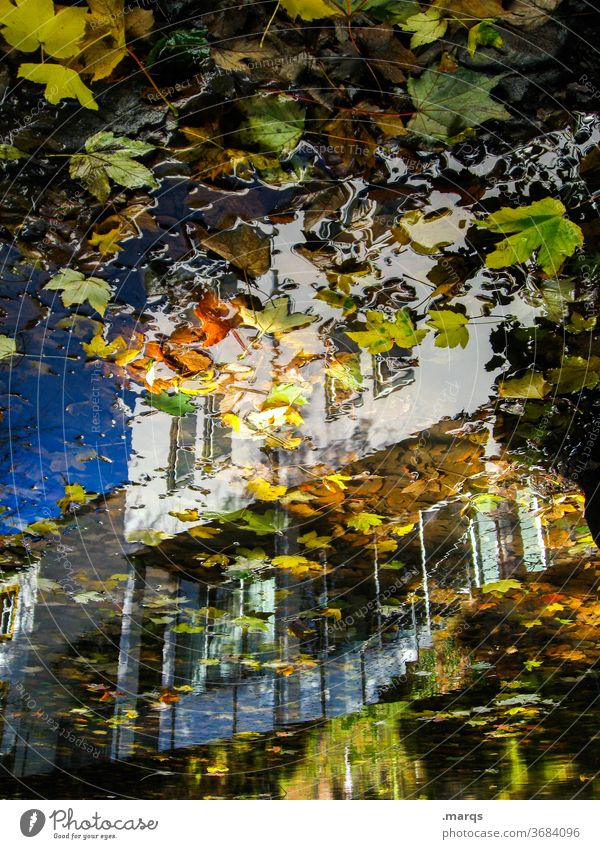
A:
x: 250, y: 624
x: 575, y: 374
x: 427, y: 26
x: 60, y: 83
x: 345, y: 370
x: 177, y: 404
x: 75, y: 288
x: 274, y: 123
x: 540, y: 227
x: 485, y: 35
x: 381, y: 334
x: 275, y: 317
x: 531, y: 385
x: 448, y: 104
x: 286, y: 393
x: 190, y: 44
x: 450, y: 328
x: 364, y: 521
x: 8, y: 347
x: 109, y: 157
x: 187, y: 628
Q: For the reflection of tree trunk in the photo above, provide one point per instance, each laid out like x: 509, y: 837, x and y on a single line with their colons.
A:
x: 129, y: 658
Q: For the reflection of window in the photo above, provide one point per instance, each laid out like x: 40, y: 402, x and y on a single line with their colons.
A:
x: 8, y: 609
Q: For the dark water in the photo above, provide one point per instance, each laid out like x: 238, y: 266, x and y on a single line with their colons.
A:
x: 197, y: 668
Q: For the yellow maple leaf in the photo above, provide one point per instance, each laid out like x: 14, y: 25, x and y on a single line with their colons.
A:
x: 309, y: 10
x: 265, y: 491
x: 104, y: 46
x: 30, y: 24
x: 60, y: 82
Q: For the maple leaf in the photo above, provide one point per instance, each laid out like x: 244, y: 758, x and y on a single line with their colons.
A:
x: 530, y: 385
x: 575, y: 374
x: 364, y: 521
x: 381, y: 334
x: 75, y: 288
x: 448, y: 104
x: 8, y: 347
x: 539, y: 228
x: 275, y: 317
x: 60, y: 82
x: 274, y: 123
x: 297, y: 564
x: 75, y: 494
x: 177, y: 404
x: 450, y: 328
x: 426, y: 27
x: 30, y: 24
x: 148, y: 536
x: 265, y: 491
x: 310, y: 10
x: 313, y: 540
x: 104, y: 46
x: 203, y: 532
x: 109, y: 157
x: 485, y: 35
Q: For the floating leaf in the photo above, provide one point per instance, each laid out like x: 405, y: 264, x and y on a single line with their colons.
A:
x: 148, y: 536
x: 274, y: 123
x: 265, y: 491
x: 310, y: 10
x: 501, y: 586
x: 75, y: 494
x: 575, y: 374
x: 60, y: 82
x: 8, y: 347
x: 275, y: 317
x: 364, y: 521
x: 177, y: 404
x: 448, y: 104
x: 297, y: 564
x: 75, y: 288
x: 109, y: 157
x: 450, y: 328
x: 381, y: 334
x: 9, y: 152
x: 538, y: 228
x: 313, y: 540
x: 530, y: 385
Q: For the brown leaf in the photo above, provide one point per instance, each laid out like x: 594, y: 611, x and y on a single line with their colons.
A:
x: 385, y: 52
x: 243, y: 246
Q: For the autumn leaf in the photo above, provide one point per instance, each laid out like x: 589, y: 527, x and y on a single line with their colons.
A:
x: 309, y: 10
x: 177, y: 404
x: 30, y: 24
x: 75, y: 288
x: 8, y: 347
x: 203, y: 532
x: 104, y: 46
x: 189, y: 515
x: 448, y: 104
x: 381, y: 334
x: 364, y: 521
x: 243, y: 246
x: 501, y: 586
x: 426, y: 26
x: 313, y: 540
x: 108, y: 157
x: 530, y: 385
x: 275, y: 318
x: 265, y: 491
x: 485, y: 35
x: 297, y: 564
x: 148, y: 536
x: 540, y: 228
x: 575, y: 374
x: 9, y: 153
x: 274, y: 123
x: 60, y: 83
x: 450, y: 328
x: 75, y: 494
